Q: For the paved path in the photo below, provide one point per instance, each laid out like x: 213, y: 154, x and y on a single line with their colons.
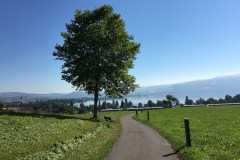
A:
x: 140, y: 142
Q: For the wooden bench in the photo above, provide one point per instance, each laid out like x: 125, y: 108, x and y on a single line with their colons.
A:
x: 108, y: 119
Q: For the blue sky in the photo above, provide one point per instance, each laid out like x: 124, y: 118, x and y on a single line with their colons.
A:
x: 180, y: 40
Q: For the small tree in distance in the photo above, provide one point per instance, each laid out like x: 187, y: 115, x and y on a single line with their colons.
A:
x: 172, y: 101
x: 188, y: 101
x: 1, y: 106
x: 159, y: 103
x: 97, y: 54
x: 140, y: 105
x: 122, y: 104
x: 150, y: 103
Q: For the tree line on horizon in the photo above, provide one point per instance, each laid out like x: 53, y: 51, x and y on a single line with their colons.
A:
x: 67, y: 105
x: 202, y: 101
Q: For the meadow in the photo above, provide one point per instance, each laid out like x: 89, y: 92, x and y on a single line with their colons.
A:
x: 215, y: 131
x: 44, y: 136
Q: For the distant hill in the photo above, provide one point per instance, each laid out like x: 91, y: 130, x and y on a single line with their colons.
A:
x: 16, y: 96
x: 216, y: 88
x: 76, y: 94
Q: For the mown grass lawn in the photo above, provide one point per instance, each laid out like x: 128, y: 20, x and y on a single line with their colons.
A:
x: 215, y: 131
x: 42, y: 136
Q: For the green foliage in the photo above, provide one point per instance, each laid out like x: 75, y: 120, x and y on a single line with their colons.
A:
x: 1, y: 106
x: 97, y: 53
x: 104, y: 105
x: 126, y: 103
x: 159, y: 103
x: 200, y: 101
x: 215, y: 131
x: 117, y: 104
x: 172, y: 101
x: 150, y: 103
x: 130, y: 104
x: 82, y: 109
x: 122, y: 104
x: 227, y: 99
x: 211, y: 101
x: 52, y: 106
x: 188, y: 101
x: 140, y: 105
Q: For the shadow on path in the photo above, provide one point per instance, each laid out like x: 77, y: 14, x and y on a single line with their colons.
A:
x: 178, y: 150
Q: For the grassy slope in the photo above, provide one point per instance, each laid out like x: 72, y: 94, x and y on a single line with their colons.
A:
x: 42, y: 136
x: 98, y: 147
x: 215, y: 131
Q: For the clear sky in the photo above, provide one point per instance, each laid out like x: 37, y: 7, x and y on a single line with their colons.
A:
x: 180, y: 40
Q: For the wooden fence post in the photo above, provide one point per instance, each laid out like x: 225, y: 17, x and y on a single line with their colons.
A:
x: 187, y: 131
x: 137, y: 113
x: 148, y: 115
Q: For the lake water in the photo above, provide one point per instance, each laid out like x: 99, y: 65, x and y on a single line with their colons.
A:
x: 134, y: 100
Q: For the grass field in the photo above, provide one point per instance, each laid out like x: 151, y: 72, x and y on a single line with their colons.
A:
x: 42, y: 136
x: 215, y: 131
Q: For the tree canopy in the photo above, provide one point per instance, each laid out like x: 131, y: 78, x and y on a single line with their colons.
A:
x: 98, y: 53
x: 172, y: 101
x: 188, y: 101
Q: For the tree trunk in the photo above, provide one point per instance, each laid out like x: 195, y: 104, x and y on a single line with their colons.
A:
x: 170, y: 103
x: 95, y: 104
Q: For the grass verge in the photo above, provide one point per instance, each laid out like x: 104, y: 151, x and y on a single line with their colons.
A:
x: 215, y: 131
x: 41, y: 136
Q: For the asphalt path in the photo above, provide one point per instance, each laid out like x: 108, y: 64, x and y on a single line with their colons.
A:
x: 140, y: 142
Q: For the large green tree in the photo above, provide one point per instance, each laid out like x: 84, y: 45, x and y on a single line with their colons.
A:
x: 97, y: 54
